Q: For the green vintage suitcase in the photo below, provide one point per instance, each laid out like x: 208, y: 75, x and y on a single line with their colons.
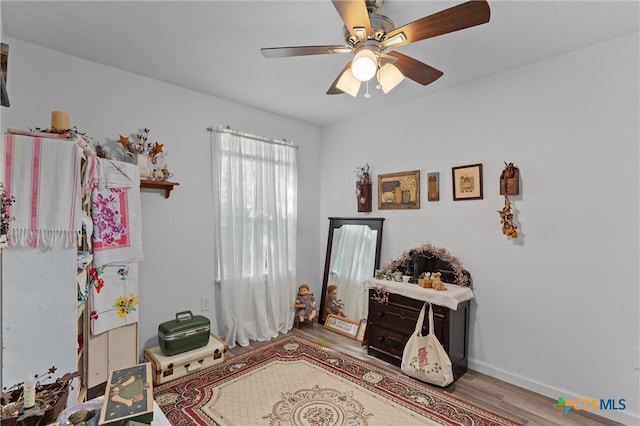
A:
x: 185, y: 333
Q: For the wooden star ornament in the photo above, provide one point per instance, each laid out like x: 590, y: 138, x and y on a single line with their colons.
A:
x: 125, y: 142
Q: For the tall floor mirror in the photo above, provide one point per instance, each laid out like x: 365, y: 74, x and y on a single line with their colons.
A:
x: 353, y: 254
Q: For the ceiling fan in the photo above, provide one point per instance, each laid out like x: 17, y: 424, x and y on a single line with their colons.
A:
x: 368, y: 35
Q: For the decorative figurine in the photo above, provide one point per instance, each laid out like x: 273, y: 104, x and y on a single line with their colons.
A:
x: 334, y: 305
x: 437, y: 283
x: 305, y: 304
x: 158, y: 175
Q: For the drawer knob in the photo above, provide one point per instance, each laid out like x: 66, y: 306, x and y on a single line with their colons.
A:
x: 379, y: 314
x: 380, y: 338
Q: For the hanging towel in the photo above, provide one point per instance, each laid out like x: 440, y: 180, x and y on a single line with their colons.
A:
x: 116, y: 174
x: 116, y: 213
x: 113, y: 296
x: 44, y: 177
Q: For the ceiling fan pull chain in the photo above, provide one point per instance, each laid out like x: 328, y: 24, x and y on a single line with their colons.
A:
x: 367, y: 95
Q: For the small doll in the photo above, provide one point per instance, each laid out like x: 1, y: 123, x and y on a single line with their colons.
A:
x: 334, y: 305
x: 305, y: 304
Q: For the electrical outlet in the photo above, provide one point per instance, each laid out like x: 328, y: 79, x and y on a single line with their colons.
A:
x: 205, y: 304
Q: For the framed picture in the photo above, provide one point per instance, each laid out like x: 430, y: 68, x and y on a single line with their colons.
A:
x: 114, y: 411
x: 433, y: 186
x: 399, y: 190
x: 342, y: 325
x: 467, y: 182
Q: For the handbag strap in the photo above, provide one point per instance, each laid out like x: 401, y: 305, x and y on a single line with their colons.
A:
x: 431, y: 320
x: 421, y: 320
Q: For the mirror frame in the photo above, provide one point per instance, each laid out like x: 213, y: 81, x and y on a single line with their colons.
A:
x: 374, y: 223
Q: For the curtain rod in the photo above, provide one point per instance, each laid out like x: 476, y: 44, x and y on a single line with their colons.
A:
x: 229, y: 130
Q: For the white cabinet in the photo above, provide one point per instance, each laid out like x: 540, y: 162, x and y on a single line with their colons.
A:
x: 39, y: 320
x: 112, y: 350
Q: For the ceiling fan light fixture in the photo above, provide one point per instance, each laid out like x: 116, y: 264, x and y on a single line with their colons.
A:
x: 389, y: 77
x: 348, y: 83
x: 365, y: 64
x: 392, y: 41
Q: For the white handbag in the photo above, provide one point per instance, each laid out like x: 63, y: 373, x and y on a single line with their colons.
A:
x: 424, y: 358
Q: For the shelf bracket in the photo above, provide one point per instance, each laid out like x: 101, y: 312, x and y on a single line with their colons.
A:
x: 159, y: 184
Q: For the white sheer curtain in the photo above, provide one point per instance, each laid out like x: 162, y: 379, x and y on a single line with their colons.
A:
x: 255, y: 197
x: 353, y: 264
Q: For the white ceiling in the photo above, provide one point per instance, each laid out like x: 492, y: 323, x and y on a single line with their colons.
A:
x: 213, y: 47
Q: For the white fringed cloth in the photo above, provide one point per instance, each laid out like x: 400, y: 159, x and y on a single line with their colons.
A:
x: 43, y: 174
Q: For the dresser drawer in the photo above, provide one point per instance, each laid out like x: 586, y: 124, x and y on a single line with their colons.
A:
x: 393, y: 317
x: 408, y: 304
x: 388, y: 341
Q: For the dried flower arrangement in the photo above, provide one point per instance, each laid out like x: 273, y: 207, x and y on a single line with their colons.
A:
x: 509, y: 228
x: 141, y: 146
x: 461, y: 278
x: 363, y: 175
x: 72, y: 132
x: 5, y: 219
x: 381, y: 294
x: 50, y: 400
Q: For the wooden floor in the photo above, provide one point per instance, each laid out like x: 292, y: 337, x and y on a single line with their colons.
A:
x: 479, y: 389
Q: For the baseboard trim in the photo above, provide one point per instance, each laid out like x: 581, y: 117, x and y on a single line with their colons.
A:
x: 626, y: 417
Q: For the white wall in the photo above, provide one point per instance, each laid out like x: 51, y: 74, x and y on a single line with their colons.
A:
x: 556, y: 310
x: 104, y: 102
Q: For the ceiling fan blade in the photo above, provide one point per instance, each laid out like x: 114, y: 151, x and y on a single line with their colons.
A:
x: 416, y: 70
x: 456, y: 18
x: 355, y: 16
x: 282, y: 52
x: 384, y: 59
x: 345, y: 83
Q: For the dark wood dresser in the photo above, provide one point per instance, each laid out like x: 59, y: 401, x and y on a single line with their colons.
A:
x: 390, y: 325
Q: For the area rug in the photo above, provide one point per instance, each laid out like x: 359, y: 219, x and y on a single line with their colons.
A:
x: 294, y: 381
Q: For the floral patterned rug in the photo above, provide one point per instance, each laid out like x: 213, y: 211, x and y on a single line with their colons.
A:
x: 294, y: 381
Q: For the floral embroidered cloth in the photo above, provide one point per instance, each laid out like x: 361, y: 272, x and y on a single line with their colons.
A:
x: 116, y: 213
x: 113, y: 293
